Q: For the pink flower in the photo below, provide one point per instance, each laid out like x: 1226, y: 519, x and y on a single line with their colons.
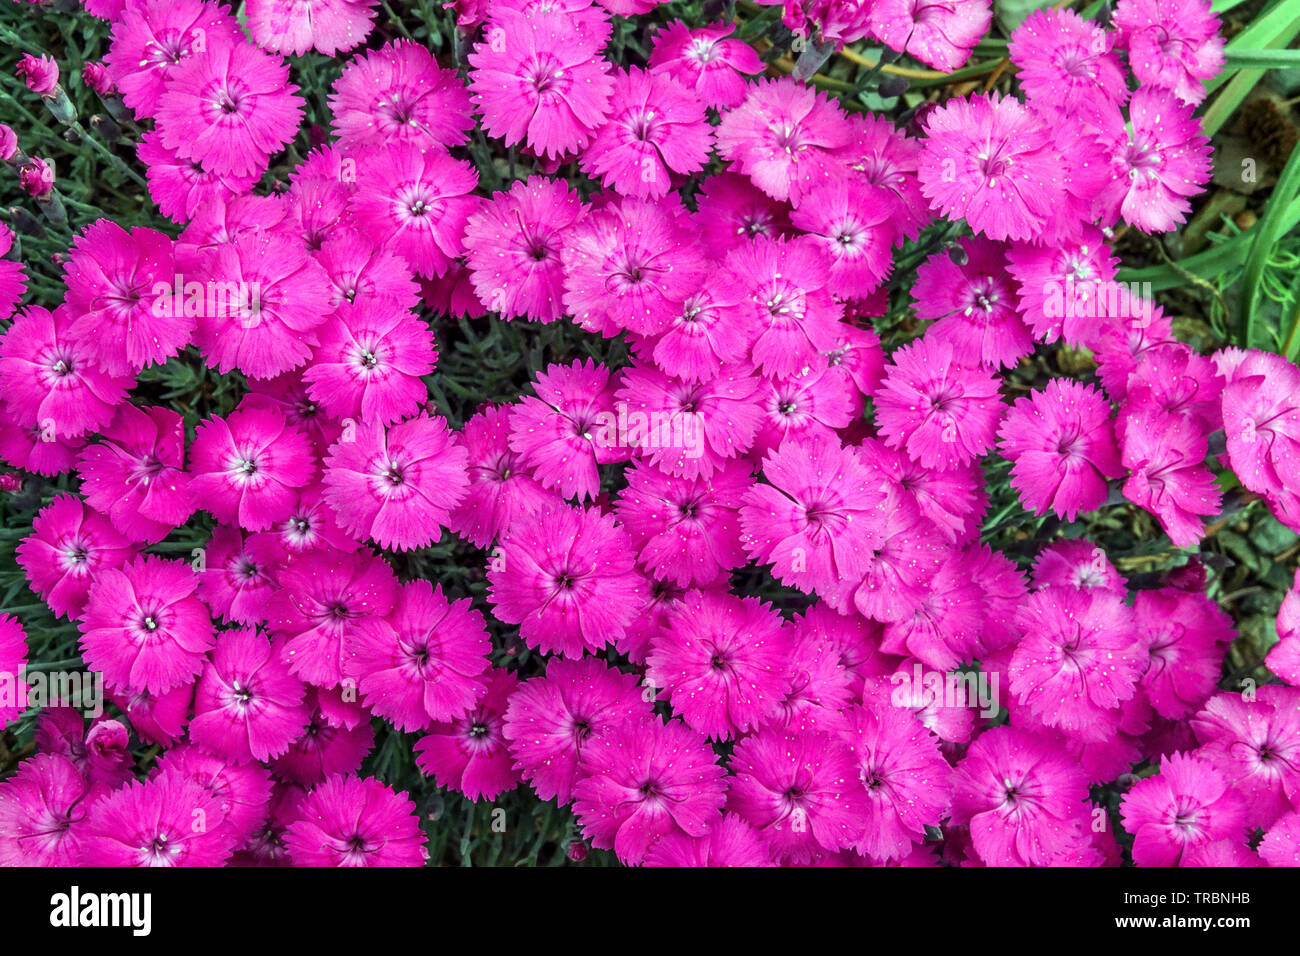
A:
x: 36, y: 178
x: 539, y: 79
x: 731, y: 842
x: 1261, y: 421
x: 1281, y: 844
x: 707, y: 331
x: 789, y: 303
x: 356, y: 821
x: 1166, y: 456
x: 939, y: 33
x: 907, y: 551
x: 703, y: 60
x: 1185, y: 634
x: 691, y: 429
x: 119, y: 290
x: 398, y: 485
x: 1022, y: 799
x: 1077, y: 564
x: 152, y: 824
x: 989, y: 160
x: 416, y: 201
x: 720, y: 660
x: 629, y: 266
x: 1187, y: 804
x: 800, y: 791
x: 560, y: 434
x: 152, y: 39
x: 13, y: 280
x: 51, y: 379
x: 656, y: 128
x: 1058, y: 283
x: 363, y: 274
x: 238, y: 576
x: 1067, y: 64
x: 1172, y: 44
x: 1061, y: 445
x: 513, y: 246
x: 1158, y: 158
x: 247, y: 467
x: 325, y: 596
x: 398, y: 94
x: 1284, y: 659
x: 13, y: 662
x: 886, y: 160
x: 296, y: 26
x: 1256, y: 745
x: 940, y: 411
x: 783, y: 137
x: 855, y: 232
x: 567, y: 577
x: 500, y: 487
x: 230, y: 107
x: 369, y: 363
x: 311, y: 526
x: 552, y: 720
x: 248, y: 707
x: 685, y: 530
x: 43, y: 809
x: 181, y: 187
x: 973, y: 304
x: 470, y: 754
x: 69, y: 546
x: 1078, y: 660
x: 41, y: 74
x: 269, y: 325
x: 904, y: 775
x: 324, y: 749
x: 733, y: 212
x: 429, y: 667
x: 643, y: 780
x: 144, y: 626
x: 815, y: 519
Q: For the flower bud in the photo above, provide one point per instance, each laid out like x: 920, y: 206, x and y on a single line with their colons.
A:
x: 95, y: 76
x: 8, y: 143
x: 37, y: 178
x: 41, y: 74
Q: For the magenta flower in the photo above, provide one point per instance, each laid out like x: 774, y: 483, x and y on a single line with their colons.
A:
x: 120, y: 288
x: 369, y: 363
x: 363, y: 274
x: 398, y: 485
x: 1187, y: 804
x: 973, y: 304
x: 655, y: 128
x: 685, y: 530
x: 563, y: 432
x: 989, y: 160
x: 1078, y: 660
x: 324, y: 596
x: 13, y: 661
x: 1166, y: 456
x: 398, y: 94
x: 1172, y: 44
x: 705, y: 61
x: 814, y: 520
x: 1061, y: 445
x: 731, y: 842
x: 567, y: 577
x: 69, y: 546
x: 1256, y: 745
x: 264, y: 298
x: 1023, y: 799
x: 247, y: 706
x: 904, y: 775
x: 644, y: 779
x: 181, y: 187
x: 151, y: 823
x: 1185, y: 634
x: 429, y: 667
x: 325, y: 749
x: 356, y: 821
x: 43, y: 809
x: 734, y: 212
x: 942, y: 412
x: 230, y: 107
x: 939, y: 33
x: 1058, y: 284
x: 539, y: 79
x: 907, y: 551
x: 145, y: 627
x: 783, y: 137
x: 238, y: 576
x: 855, y: 232
x: 41, y: 74
x: 629, y: 266
x: 800, y: 791
x: 721, y: 661
x: 1280, y: 846
x: 417, y: 202
x: 1067, y: 65
x: 469, y: 753
x: 513, y: 245
x: 500, y: 487
x: 294, y: 26
x: 247, y: 467
x: 1077, y: 564
x: 552, y: 720
x: 707, y: 331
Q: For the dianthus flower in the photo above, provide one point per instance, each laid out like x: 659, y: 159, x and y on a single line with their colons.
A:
x: 567, y: 577
x: 1185, y: 634
x: 238, y: 574
x: 356, y: 821
x: 1067, y: 64
x: 734, y: 212
x: 854, y: 230
x: 398, y: 485
x: 296, y: 26
x: 1188, y: 803
x: 69, y: 546
x: 939, y: 33
x: 144, y: 626
x: 973, y: 304
x: 151, y: 823
x: 1256, y: 745
x: 731, y: 842
x: 1166, y: 455
x: 1057, y: 284
x: 43, y: 809
x: 363, y: 274
x: 1077, y: 564
x: 1172, y: 44
x: 706, y: 61
x: 181, y: 187
x: 469, y: 753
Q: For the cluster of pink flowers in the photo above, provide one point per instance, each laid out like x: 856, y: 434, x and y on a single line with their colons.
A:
x: 683, y: 722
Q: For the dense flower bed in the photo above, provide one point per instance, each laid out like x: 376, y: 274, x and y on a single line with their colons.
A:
x: 929, y: 699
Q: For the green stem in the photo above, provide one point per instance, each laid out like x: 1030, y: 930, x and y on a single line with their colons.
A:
x: 1267, y: 231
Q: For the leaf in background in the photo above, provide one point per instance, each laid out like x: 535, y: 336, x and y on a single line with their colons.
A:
x: 1011, y: 13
